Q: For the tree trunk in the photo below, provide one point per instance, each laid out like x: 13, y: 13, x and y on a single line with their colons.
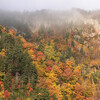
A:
x: 17, y: 76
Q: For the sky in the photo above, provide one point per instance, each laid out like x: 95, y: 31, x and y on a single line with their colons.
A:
x: 32, y: 5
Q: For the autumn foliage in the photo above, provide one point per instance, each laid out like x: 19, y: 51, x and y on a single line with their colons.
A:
x: 63, y: 65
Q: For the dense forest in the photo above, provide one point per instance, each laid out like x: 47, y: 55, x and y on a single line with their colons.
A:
x: 53, y: 62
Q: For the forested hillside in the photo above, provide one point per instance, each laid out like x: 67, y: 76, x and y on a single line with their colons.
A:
x: 55, y: 65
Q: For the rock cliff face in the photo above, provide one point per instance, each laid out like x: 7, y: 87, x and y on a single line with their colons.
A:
x: 60, y: 18
x: 93, y: 22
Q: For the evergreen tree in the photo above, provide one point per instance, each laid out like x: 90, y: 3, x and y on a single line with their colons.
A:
x: 16, y: 61
x: 67, y: 37
x: 68, y: 53
x: 72, y: 44
x: 82, y: 51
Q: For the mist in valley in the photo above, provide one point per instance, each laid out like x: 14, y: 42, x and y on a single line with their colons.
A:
x: 30, y: 21
x: 28, y: 16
